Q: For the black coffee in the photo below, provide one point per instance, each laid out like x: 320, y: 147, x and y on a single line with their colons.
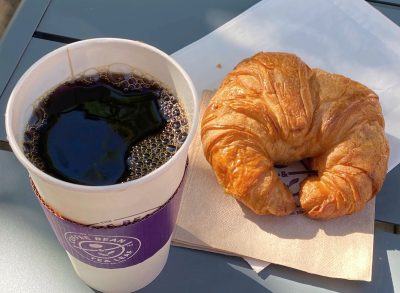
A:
x: 104, y: 129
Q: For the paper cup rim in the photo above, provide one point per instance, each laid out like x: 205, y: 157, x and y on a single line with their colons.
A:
x: 100, y: 188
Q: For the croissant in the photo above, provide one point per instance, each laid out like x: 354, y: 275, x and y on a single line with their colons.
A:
x: 274, y: 109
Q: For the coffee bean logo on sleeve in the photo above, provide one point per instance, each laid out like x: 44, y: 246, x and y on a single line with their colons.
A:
x: 103, y: 249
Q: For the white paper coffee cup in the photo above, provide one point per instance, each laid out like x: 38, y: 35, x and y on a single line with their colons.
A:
x: 112, y: 204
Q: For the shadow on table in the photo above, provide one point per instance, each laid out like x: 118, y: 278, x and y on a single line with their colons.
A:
x: 388, y: 199
x: 198, y: 271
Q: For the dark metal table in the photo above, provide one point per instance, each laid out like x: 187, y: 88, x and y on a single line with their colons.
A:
x: 31, y: 259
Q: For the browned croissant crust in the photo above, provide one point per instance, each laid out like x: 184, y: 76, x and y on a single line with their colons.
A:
x: 273, y: 109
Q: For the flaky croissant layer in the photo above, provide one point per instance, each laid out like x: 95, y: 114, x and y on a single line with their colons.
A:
x: 273, y: 109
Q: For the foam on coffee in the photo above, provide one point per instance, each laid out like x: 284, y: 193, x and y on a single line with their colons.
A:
x: 155, y: 150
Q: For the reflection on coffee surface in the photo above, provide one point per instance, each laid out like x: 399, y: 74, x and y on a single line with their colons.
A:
x: 105, y: 128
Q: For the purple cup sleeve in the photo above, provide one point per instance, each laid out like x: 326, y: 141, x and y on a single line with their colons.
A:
x: 120, y: 246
